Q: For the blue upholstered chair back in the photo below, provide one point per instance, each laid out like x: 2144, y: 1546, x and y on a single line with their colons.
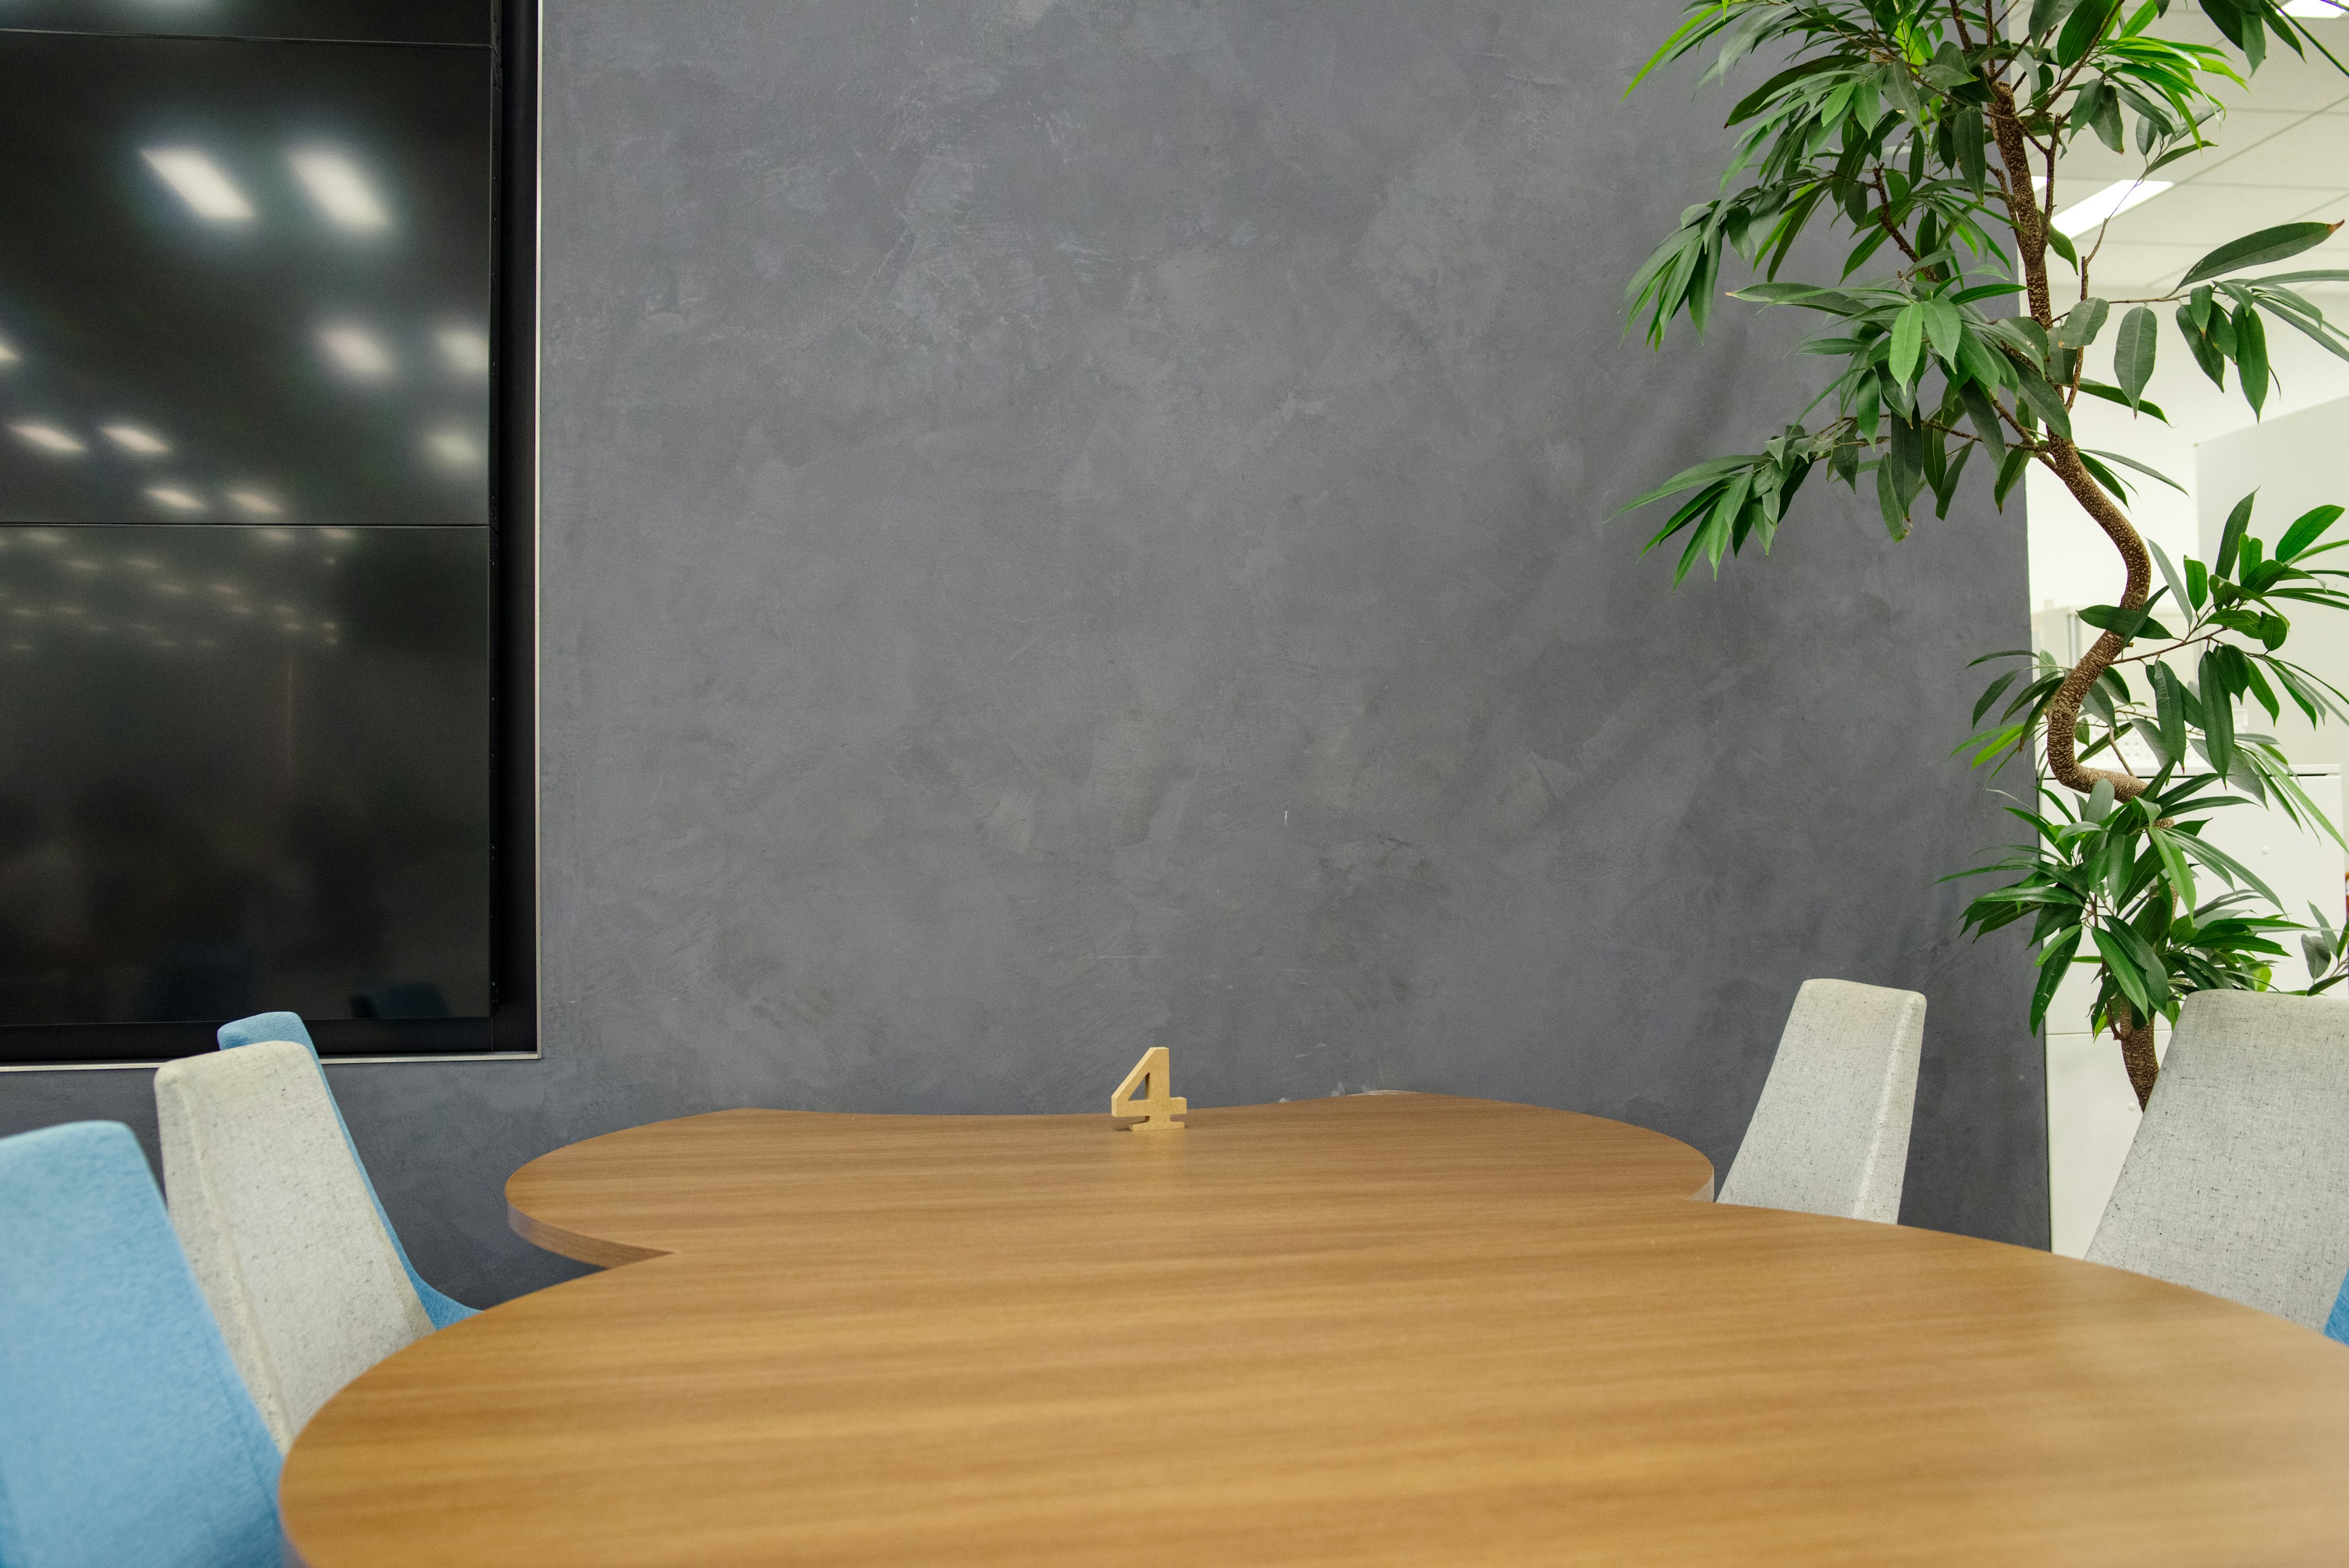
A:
x: 2337, y: 1325
x: 126, y: 1435
x: 261, y: 1026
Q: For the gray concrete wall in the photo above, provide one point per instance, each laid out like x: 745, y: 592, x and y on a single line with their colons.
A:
x: 1078, y: 524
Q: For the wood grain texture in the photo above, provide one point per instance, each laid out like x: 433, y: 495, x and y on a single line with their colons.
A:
x: 1391, y: 1330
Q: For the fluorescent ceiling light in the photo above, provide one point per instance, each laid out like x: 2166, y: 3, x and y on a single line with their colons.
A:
x: 136, y: 442
x: 174, y: 497
x: 341, y: 191
x: 356, y: 350
x: 200, y: 183
x: 48, y: 437
x: 465, y: 350
x: 256, y: 502
x: 2109, y: 202
x: 2313, y: 8
x: 452, y: 448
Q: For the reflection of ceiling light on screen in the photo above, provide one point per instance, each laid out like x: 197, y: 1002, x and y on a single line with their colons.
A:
x: 356, y: 350
x: 256, y: 504
x: 200, y: 184
x: 341, y: 191
x: 48, y: 437
x: 135, y: 441
x: 2109, y: 202
x: 452, y: 448
x: 9, y: 355
x: 465, y: 350
x: 174, y: 497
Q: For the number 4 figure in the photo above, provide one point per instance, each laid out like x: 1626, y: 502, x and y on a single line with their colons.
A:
x: 1144, y: 1093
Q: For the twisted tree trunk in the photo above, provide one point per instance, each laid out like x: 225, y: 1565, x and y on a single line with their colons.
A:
x: 2063, y: 458
x: 2136, y: 1036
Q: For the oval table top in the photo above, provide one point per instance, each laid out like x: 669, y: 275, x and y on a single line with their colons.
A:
x: 1383, y: 1330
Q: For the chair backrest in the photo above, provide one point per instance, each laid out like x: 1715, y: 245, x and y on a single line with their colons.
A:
x: 126, y: 1435
x: 2337, y: 1325
x: 279, y: 1227
x: 264, y: 1026
x: 2238, y: 1183
x: 1830, y: 1134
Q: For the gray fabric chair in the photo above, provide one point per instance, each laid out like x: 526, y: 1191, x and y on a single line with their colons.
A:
x: 280, y: 1227
x: 1830, y: 1134
x: 2238, y: 1183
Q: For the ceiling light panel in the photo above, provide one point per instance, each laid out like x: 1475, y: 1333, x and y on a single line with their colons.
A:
x: 340, y: 189
x: 357, y: 352
x: 200, y: 182
x: 2109, y: 202
x: 176, y: 497
x: 466, y: 349
x: 48, y: 437
x: 136, y: 440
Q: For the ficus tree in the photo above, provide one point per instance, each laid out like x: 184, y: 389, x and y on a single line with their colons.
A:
x: 1921, y: 138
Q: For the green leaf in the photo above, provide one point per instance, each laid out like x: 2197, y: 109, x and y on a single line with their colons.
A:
x: 2168, y: 571
x: 1942, y: 327
x: 1908, y: 342
x: 2252, y: 356
x: 2133, y: 349
x: 2053, y: 964
x: 2230, y: 538
x: 2251, y: 250
x: 2061, y: 243
x: 2047, y: 402
x: 2226, y: 865
x: 2218, y: 713
x: 2304, y: 532
x: 2083, y: 28
x: 1983, y: 417
x: 2079, y: 328
x: 2170, y: 704
x: 2010, y: 472
x: 2112, y: 394
x: 2047, y: 15
x: 2149, y: 473
x: 2123, y: 968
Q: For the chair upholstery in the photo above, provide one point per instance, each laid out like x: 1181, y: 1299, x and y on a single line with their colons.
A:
x: 126, y: 1436
x: 1830, y: 1134
x: 2337, y: 1325
x: 277, y: 1225
x: 442, y: 1310
x: 2238, y: 1183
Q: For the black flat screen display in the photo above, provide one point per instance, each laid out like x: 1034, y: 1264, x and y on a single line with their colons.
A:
x: 249, y: 553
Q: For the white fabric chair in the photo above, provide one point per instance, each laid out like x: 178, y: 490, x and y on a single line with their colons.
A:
x: 2238, y: 1183
x: 278, y: 1223
x: 1830, y: 1134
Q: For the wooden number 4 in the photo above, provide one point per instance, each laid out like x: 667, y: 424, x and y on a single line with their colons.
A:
x: 1144, y: 1093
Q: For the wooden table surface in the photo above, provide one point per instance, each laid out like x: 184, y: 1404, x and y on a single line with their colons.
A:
x: 1387, y: 1330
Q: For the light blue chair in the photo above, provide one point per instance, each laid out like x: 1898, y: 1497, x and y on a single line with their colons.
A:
x: 126, y: 1435
x: 2337, y: 1325
x: 261, y: 1026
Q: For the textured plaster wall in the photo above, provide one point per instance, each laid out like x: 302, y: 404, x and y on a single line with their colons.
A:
x: 1076, y: 524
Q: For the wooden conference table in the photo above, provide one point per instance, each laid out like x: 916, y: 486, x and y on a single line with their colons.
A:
x: 1387, y: 1330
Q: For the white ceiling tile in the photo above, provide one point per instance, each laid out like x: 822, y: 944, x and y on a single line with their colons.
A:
x: 2209, y: 215
x: 2091, y: 160
x: 2294, y: 81
x: 2313, y: 152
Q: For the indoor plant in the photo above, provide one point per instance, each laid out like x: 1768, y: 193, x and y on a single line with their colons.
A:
x: 1923, y: 136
